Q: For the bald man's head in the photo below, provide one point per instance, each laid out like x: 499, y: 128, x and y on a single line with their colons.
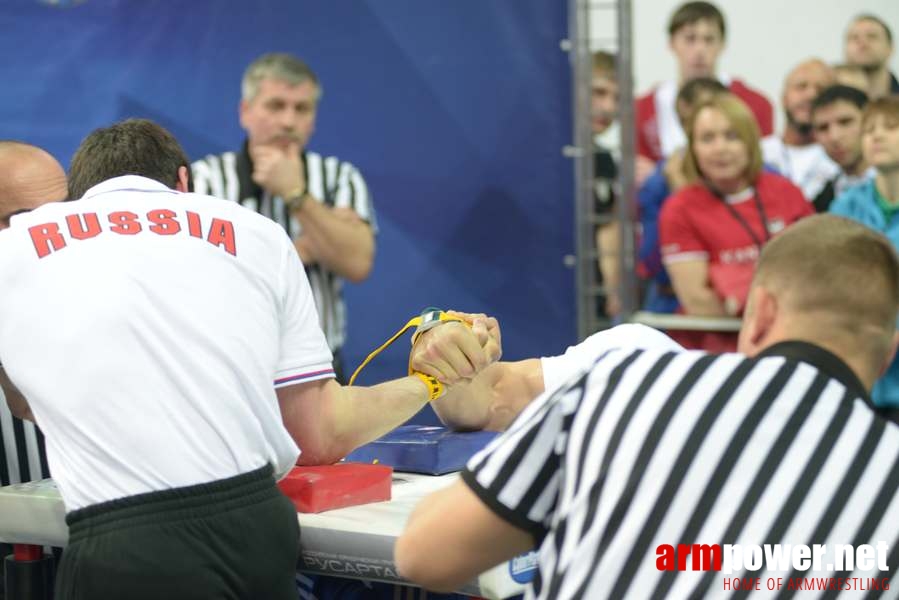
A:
x: 802, y: 85
x: 29, y: 177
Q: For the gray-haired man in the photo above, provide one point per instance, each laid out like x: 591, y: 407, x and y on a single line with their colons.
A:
x: 322, y: 202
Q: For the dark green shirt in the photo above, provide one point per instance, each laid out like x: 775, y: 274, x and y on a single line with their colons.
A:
x: 888, y: 208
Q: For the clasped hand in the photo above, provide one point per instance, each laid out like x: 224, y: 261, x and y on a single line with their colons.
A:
x: 278, y: 170
x: 453, y: 352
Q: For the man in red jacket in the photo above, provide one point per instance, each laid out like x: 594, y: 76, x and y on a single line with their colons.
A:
x: 696, y: 35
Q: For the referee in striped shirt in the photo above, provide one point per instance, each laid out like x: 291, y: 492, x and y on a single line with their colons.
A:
x: 650, y: 452
x: 29, y: 177
x: 24, y: 456
x: 322, y: 202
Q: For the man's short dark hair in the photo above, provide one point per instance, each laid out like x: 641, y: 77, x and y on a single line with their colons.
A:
x: 605, y: 63
x: 840, y: 93
x: 691, y: 12
x: 131, y: 147
x: 690, y: 91
x: 879, y: 21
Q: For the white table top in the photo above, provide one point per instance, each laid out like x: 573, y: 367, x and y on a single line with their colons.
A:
x: 355, y: 542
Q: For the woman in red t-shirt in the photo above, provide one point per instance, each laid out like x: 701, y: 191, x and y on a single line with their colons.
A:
x: 712, y: 230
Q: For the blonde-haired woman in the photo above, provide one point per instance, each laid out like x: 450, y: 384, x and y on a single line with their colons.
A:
x: 712, y: 230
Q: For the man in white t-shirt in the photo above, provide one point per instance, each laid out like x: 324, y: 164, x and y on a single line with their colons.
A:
x: 495, y: 397
x: 795, y: 154
x: 168, y: 346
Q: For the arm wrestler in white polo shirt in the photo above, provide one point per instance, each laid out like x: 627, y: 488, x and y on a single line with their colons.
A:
x: 168, y: 345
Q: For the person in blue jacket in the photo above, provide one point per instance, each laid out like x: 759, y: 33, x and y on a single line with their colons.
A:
x: 875, y: 203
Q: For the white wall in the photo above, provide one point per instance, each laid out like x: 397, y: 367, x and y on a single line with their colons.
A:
x: 764, y: 37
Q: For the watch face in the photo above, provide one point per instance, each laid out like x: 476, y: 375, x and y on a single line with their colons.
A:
x: 431, y: 317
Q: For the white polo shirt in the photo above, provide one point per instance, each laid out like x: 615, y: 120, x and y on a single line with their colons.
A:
x: 147, y: 327
x: 559, y: 369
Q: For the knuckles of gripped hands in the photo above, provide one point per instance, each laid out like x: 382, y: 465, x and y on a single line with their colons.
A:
x: 434, y: 354
x: 487, y: 330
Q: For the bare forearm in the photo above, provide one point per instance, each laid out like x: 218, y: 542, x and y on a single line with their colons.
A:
x: 466, y: 406
x: 608, y: 238
x: 18, y: 406
x: 608, y: 243
x: 690, y: 280
x: 494, y: 398
x: 467, y: 544
x: 345, y: 246
x: 415, y: 543
x: 328, y: 421
x: 357, y: 415
x: 702, y: 302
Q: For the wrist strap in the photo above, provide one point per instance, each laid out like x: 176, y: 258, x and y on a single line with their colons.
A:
x: 435, y: 388
x: 430, y: 318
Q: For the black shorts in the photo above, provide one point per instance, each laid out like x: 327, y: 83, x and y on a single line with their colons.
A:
x: 229, y: 539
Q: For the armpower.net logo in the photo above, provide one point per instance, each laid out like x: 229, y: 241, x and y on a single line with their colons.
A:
x: 781, y: 563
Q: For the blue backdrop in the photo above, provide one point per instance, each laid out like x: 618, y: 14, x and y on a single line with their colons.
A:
x: 455, y: 112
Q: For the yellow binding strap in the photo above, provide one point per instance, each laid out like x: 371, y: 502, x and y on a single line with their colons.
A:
x: 429, y: 318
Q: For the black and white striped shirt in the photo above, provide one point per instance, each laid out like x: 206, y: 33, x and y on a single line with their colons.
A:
x: 651, y: 448
x: 24, y: 455
x: 332, y: 181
